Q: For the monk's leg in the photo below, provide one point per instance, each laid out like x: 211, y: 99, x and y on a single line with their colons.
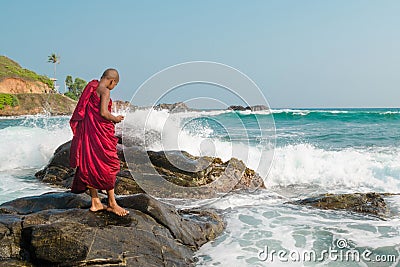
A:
x: 96, y: 203
x: 113, y: 206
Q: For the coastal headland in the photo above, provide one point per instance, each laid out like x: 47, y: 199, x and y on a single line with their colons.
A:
x: 24, y: 92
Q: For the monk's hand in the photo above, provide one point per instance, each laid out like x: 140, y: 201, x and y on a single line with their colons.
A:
x: 119, y: 118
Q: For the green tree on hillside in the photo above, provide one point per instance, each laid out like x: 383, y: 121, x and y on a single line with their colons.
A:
x: 69, y: 81
x: 74, y: 88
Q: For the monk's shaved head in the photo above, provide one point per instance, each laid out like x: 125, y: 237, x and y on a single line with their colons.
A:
x: 111, y: 74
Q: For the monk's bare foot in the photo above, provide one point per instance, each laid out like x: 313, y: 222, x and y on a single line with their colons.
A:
x: 117, y: 210
x: 97, y: 207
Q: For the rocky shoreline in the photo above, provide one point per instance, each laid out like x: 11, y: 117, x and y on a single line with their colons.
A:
x: 57, y: 229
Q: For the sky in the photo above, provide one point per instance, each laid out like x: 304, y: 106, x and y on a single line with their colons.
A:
x: 300, y: 53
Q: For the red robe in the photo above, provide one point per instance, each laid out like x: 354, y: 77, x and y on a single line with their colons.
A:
x: 94, y: 144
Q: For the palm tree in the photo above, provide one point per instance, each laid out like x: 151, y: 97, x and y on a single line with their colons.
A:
x: 53, y: 58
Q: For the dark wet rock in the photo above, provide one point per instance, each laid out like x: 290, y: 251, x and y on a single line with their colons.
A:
x: 198, y: 171
x: 153, y: 234
x: 366, y: 203
x: 178, y: 167
x: 10, y: 236
x: 175, y: 107
x: 28, y: 205
x: 189, y: 233
x: 58, y: 171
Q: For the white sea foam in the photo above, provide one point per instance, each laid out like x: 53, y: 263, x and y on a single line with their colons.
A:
x: 389, y: 112
x: 166, y: 131
x: 288, y: 110
x: 338, y: 111
x: 304, y: 112
x: 27, y: 147
x: 259, y: 112
x: 170, y: 134
x: 30, y: 147
x: 301, y: 113
x: 346, y: 169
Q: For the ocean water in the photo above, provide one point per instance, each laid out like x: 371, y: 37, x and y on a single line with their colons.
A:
x: 298, y: 152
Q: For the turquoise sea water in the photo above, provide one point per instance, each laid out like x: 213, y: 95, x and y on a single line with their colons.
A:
x: 298, y: 152
x: 326, y: 128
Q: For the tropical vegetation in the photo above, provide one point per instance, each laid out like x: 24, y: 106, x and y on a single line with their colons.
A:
x: 75, y: 87
x: 8, y: 100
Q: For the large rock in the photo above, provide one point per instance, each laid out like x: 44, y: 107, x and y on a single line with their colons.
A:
x: 196, y: 171
x: 47, y: 233
x: 366, y: 203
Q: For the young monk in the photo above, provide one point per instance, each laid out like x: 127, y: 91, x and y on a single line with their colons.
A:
x: 94, y: 144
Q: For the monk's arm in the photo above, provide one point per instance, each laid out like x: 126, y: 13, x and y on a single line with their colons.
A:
x: 104, y: 100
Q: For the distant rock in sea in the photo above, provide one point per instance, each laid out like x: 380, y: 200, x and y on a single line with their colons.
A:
x: 122, y: 106
x: 237, y: 108
x: 175, y: 107
x: 258, y: 108
x: 252, y: 108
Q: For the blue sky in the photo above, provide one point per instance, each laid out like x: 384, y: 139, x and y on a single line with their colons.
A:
x: 300, y: 53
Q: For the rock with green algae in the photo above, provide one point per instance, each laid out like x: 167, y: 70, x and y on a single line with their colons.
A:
x: 366, y: 203
x: 40, y: 231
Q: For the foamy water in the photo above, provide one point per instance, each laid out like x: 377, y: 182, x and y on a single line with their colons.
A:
x: 263, y: 222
